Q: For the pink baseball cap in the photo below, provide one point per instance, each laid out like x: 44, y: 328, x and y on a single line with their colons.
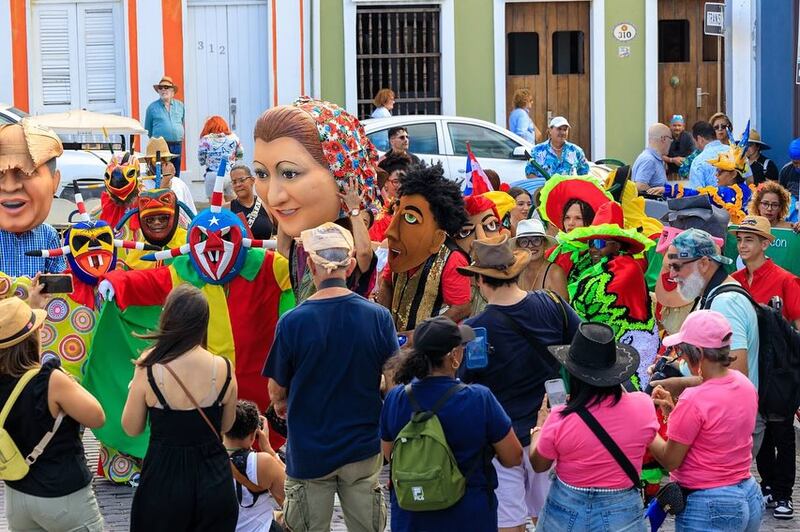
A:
x: 702, y: 328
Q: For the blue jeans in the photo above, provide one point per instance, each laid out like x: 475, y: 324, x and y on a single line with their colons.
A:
x: 568, y: 510
x: 175, y: 149
x: 729, y: 508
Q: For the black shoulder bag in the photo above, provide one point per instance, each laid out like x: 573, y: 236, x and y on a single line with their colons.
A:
x: 612, y: 448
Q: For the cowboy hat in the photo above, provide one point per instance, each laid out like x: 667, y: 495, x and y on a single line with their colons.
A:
x: 595, y: 358
x: 166, y: 81
x: 18, y: 321
x: 158, y: 144
x: 533, y: 227
x: 608, y: 225
x: 755, y: 138
x: 496, y: 258
x: 560, y: 190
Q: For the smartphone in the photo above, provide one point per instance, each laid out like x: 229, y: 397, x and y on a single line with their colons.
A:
x: 556, y: 392
x: 476, y: 352
x: 56, y: 283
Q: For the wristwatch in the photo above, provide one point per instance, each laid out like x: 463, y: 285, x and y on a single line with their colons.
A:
x: 355, y: 212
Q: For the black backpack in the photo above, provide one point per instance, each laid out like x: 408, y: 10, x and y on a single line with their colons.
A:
x: 778, y: 357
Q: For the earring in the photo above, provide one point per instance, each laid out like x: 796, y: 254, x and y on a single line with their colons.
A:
x: 456, y: 364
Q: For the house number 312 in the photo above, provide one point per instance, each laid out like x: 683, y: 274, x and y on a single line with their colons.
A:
x: 211, y: 48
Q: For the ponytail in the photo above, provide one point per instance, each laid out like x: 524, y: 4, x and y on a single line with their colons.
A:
x: 410, y: 364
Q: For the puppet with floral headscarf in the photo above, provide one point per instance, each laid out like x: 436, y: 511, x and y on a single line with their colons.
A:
x: 313, y: 164
x: 732, y: 192
x: 247, y: 288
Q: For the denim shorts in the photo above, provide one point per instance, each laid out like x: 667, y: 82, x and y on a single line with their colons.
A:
x: 571, y: 510
x: 738, y: 507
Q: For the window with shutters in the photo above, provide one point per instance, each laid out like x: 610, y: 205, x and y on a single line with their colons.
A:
x: 398, y: 47
x: 79, y: 62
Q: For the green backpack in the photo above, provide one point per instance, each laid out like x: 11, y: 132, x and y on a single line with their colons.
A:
x: 424, y: 472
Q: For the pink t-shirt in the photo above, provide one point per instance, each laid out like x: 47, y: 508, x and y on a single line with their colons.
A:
x: 581, y: 460
x: 716, y: 420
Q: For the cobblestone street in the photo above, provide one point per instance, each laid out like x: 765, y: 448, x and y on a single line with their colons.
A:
x: 115, y: 501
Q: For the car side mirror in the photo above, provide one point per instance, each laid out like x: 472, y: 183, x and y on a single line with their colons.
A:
x: 520, y: 152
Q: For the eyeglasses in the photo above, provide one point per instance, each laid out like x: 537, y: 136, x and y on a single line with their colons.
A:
x: 598, y: 243
x: 241, y: 180
x: 529, y: 241
x: 722, y: 127
x: 666, y: 137
x: 770, y: 206
x: 676, y: 266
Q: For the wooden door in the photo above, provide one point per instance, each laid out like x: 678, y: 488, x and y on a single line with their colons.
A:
x: 547, y: 52
x: 687, y: 63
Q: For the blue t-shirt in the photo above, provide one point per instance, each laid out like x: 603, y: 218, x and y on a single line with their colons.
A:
x: 329, y: 353
x: 649, y: 168
x: 743, y: 320
x: 472, y: 420
x: 516, y: 373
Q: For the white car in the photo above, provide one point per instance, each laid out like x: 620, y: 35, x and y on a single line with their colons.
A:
x: 444, y: 138
x: 77, y: 162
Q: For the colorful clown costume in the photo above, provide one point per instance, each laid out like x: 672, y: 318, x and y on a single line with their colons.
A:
x: 247, y: 288
x: 613, y: 289
x: 122, y: 185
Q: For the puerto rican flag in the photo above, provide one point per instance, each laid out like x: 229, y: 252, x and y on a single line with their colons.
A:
x: 477, y: 180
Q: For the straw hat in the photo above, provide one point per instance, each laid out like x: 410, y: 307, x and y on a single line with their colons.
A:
x: 755, y: 138
x: 757, y: 225
x: 18, y: 321
x: 166, y: 81
x: 496, y: 258
x: 155, y: 145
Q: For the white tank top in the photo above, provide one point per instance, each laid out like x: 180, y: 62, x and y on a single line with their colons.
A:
x: 257, y: 518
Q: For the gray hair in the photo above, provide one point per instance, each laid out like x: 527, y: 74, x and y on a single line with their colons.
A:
x: 241, y: 166
x: 721, y: 355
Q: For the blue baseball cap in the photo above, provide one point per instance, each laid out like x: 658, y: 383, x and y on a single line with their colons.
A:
x: 696, y: 244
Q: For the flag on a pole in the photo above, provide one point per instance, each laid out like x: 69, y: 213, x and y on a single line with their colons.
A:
x: 477, y: 180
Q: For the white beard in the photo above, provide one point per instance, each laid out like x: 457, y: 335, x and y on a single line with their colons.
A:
x: 691, y: 287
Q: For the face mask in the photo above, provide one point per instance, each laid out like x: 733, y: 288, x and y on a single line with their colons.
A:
x: 122, y: 178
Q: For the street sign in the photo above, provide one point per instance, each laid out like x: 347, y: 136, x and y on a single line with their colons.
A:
x: 714, y: 19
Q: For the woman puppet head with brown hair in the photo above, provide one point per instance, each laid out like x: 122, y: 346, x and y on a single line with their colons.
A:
x: 306, y: 154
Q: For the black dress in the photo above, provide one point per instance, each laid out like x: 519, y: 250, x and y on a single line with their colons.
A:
x: 186, y: 481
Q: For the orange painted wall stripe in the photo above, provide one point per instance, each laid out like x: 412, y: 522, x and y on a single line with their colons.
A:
x: 133, y: 51
x: 172, y: 29
x: 302, y: 49
x: 274, y: 53
x: 19, y: 54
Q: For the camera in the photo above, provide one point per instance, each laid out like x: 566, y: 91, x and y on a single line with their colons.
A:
x: 662, y: 370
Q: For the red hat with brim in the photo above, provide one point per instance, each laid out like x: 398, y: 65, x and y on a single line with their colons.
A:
x: 560, y: 190
x: 609, y: 223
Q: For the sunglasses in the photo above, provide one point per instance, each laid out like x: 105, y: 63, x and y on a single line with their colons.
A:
x: 598, y: 243
x: 676, y: 266
x: 401, y: 137
x: 722, y: 127
x: 529, y: 241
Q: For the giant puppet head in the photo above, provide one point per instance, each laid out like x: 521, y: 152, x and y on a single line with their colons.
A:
x: 431, y: 207
x: 28, y: 175
x: 122, y: 177
x: 90, y: 247
x: 158, y: 210
x: 218, y: 240
x: 305, y: 154
x: 483, y: 222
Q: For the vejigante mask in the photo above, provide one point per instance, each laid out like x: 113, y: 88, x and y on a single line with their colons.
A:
x: 159, y: 213
x: 122, y: 177
x: 90, y: 247
x: 217, y: 242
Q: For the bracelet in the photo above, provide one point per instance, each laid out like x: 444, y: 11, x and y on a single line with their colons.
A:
x: 536, y: 429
